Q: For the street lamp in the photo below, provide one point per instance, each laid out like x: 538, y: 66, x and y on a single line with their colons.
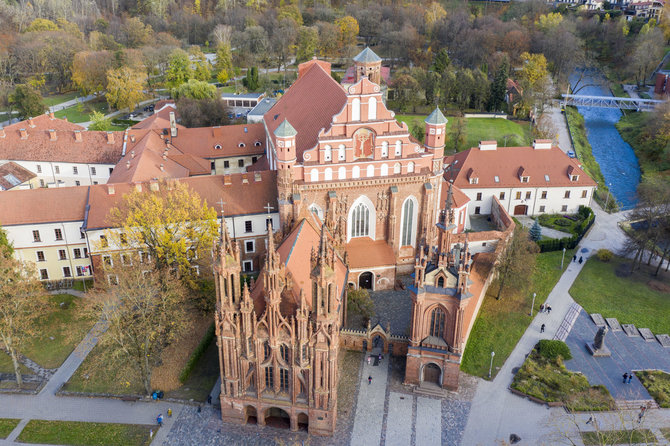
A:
x: 491, y: 366
x: 533, y: 305
x: 562, y: 258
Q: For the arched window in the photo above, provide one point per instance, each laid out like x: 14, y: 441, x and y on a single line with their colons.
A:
x: 437, y: 319
x: 328, y: 174
x: 396, y: 168
x: 315, y: 175
x: 266, y: 350
x: 360, y: 221
x: 385, y: 149
x: 384, y: 170
x: 356, y: 172
x: 314, y: 208
x: 370, y: 170
x: 327, y: 153
x: 410, y: 167
x: 408, y: 229
x: 440, y: 282
x: 398, y: 148
x: 342, y: 173
x: 356, y: 109
x: 283, y: 350
x: 372, y: 109
x: 341, y: 152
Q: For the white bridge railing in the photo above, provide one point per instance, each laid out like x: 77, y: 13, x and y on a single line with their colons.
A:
x: 637, y: 104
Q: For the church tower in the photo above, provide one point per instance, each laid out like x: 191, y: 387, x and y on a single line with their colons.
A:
x: 368, y: 64
x: 435, y: 137
x: 286, y: 159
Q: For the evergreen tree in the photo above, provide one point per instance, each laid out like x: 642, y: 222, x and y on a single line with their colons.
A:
x: 441, y: 61
x: 251, y: 79
x: 499, y: 87
x: 536, y: 232
x: 27, y: 101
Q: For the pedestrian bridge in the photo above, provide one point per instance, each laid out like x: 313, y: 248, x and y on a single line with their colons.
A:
x: 611, y: 102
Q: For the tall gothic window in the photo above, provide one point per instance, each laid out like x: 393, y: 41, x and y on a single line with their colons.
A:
x: 283, y: 380
x: 269, y: 378
x: 356, y: 109
x: 283, y: 349
x: 410, y: 167
x: 407, y: 223
x: 360, y: 221
x: 385, y: 149
x: 437, y: 318
x: 356, y: 172
x: 398, y: 148
x: 372, y: 109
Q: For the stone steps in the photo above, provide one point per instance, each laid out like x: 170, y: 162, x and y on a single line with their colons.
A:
x: 635, y: 404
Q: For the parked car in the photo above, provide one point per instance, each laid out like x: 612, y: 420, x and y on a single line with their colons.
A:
x: 572, y: 154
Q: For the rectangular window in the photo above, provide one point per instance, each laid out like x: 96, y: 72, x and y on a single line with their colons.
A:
x: 75, y: 170
x: 524, y: 179
x: 40, y: 256
x: 41, y: 183
x: 269, y: 378
x: 77, y: 253
x: 268, y: 222
x: 240, y: 163
x: 541, y: 208
x: 107, y: 261
x: 36, y: 236
x: 477, y: 210
x: 212, y: 165
x: 44, y: 274
x: 80, y: 271
x: 584, y: 193
x: 501, y: 196
x: 249, y: 246
x: 77, y: 183
x: 67, y: 272
x: 226, y: 164
x: 398, y: 148
x: 126, y: 260
x: 144, y: 257
x: 283, y: 380
x: 93, y: 172
x: 544, y: 194
x: 86, y: 253
x: 567, y: 194
x: 248, y: 226
x: 62, y: 255
x: 82, y: 234
x: 57, y: 170
x: 39, y: 168
x: 518, y: 195
x: 479, y: 196
x: 248, y: 266
x: 112, y: 279
x: 95, y: 182
x: 564, y: 208
x: 123, y: 239
x: 111, y: 169
x: 103, y: 241
x: 528, y: 195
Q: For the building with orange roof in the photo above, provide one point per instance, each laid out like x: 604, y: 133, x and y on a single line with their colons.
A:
x: 13, y: 176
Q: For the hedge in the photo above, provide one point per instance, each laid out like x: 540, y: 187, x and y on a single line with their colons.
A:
x: 558, y: 244
x: 197, y: 354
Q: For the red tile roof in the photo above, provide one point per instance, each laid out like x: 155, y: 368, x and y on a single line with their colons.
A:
x: 234, y: 140
x: 505, y: 162
x: 20, y: 173
x: 309, y: 105
x: 364, y: 252
x: 459, y: 197
x: 32, y: 206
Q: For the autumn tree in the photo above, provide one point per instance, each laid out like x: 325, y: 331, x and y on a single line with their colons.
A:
x: 534, y: 78
x: 27, y: 101
x: 135, y: 33
x: 203, y: 112
x: 6, y: 248
x: 89, y: 70
x: 147, y: 310
x: 172, y: 224
x: 224, y: 63
x: 99, y: 121
x: 648, y: 51
x: 348, y: 32
x: 307, y: 42
x: 180, y: 68
x: 124, y: 88
x: 201, y: 68
x: 22, y: 299
x: 359, y: 302
x: 194, y: 89
x: 516, y: 263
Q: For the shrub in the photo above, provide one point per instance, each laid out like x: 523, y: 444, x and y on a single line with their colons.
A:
x: 604, y: 255
x: 563, y: 222
x: 359, y: 301
x: 552, y: 349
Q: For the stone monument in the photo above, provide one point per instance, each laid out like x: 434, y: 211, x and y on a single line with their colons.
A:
x: 598, y: 347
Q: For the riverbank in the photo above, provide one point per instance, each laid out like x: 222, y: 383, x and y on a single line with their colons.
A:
x: 649, y: 152
x: 583, y: 149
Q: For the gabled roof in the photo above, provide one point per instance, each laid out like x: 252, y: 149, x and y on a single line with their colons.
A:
x: 367, y: 56
x: 309, y: 105
x: 12, y: 175
x: 436, y: 117
x: 35, y: 206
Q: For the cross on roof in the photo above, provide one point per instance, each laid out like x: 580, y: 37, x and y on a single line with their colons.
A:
x: 268, y: 208
x: 221, y: 203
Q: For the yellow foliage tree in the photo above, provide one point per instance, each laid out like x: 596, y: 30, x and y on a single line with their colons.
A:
x: 534, y: 69
x: 125, y: 88
x: 89, y: 70
x: 434, y: 13
x: 549, y: 21
x: 348, y: 30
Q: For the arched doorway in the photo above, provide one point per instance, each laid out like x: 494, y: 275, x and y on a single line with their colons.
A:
x: 365, y: 280
x: 277, y: 417
x: 432, y: 374
x: 303, y: 422
x: 378, y: 342
x: 252, y: 417
x: 521, y: 209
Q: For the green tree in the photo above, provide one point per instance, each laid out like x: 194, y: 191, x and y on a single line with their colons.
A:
x: 194, y: 89
x: 516, y: 263
x: 125, y: 88
x: 441, y: 61
x: 201, y: 68
x: 224, y: 63
x: 359, y: 302
x: 6, y: 248
x: 99, y: 121
x: 180, y: 68
x: 27, y: 101
x: 499, y: 87
x: 535, y: 232
x: 251, y: 79
x: 308, y: 42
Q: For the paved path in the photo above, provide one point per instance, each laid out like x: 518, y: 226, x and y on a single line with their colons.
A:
x: 558, y: 121
x: 528, y: 222
x: 370, y: 407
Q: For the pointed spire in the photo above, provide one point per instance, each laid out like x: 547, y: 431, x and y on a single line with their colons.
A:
x: 436, y: 117
x: 285, y: 130
x: 271, y: 238
x: 323, y: 247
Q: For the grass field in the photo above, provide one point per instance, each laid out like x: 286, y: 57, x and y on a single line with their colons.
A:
x: 6, y: 365
x: 506, y: 132
x: 62, y: 327
x: 629, y: 299
x: 657, y: 384
x: 60, y: 98
x: 81, y: 112
x: 501, y: 323
x: 643, y: 436
x: 7, y: 425
x: 78, y: 433
x: 202, y: 379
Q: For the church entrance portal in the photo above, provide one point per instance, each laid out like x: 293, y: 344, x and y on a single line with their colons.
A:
x: 277, y: 417
x: 521, y: 209
x: 431, y: 374
x: 365, y: 280
x: 252, y: 418
x: 303, y: 422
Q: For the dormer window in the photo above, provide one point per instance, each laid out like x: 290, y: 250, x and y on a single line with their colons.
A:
x: 571, y: 174
x: 241, y: 145
x: 524, y: 179
x: 574, y: 177
x: 474, y: 180
x: 546, y: 177
x: 522, y: 175
x: 217, y: 147
x: 257, y: 144
x: 472, y: 176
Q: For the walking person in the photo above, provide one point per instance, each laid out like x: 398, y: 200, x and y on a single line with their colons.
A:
x: 581, y: 259
x: 369, y: 359
x: 542, y: 328
x: 159, y: 420
x: 369, y: 379
x: 548, y: 308
x: 625, y: 377
x: 542, y: 308
x: 574, y: 259
x: 630, y: 377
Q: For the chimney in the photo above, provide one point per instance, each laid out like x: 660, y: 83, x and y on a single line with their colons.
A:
x: 127, y: 164
x: 138, y: 187
x: 162, y: 166
x: 52, y: 135
x: 488, y: 145
x: 110, y: 189
x: 30, y: 123
x: 257, y: 177
x: 542, y: 144
x: 226, y: 180
x: 52, y: 115
x: 164, y: 156
x: 24, y: 133
x: 110, y: 137
x: 2, y: 132
x: 173, y: 125
x: 132, y: 154
x: 77, y: 135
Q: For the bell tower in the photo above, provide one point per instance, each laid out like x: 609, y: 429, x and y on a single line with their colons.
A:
x: 368, y: 64
x: 435, y: 137
x: 285, y: 136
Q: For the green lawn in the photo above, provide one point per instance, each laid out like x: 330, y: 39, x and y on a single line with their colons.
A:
x: 6, y: 365
x: 79, y: 284
x: 598, y: 289
x: 666, y: 432
x: 7, y: 425
x: 511, y: 133
x: 78, y: 433
x: 657, y: 384
x: 62, y: 327
x: 202, y: 378
x: 60, y: 98
x: 501, y: 323
x: 618, y: 437
x: 80, y: 112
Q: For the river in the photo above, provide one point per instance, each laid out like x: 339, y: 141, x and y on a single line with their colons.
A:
x: 617, y: 160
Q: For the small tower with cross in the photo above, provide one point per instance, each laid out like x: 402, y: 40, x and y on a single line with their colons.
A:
x: 436, y: 125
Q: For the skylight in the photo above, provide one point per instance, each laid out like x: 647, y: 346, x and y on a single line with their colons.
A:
x: 546, y: 177
x: 496, y: 179
x: 12, y: 179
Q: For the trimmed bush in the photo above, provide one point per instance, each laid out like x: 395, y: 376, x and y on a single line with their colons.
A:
x: 604, y: 255
x: 552, y: 349
x: 563, y: 222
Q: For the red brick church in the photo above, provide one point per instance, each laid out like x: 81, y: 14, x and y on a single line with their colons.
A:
x: 360, y: 201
